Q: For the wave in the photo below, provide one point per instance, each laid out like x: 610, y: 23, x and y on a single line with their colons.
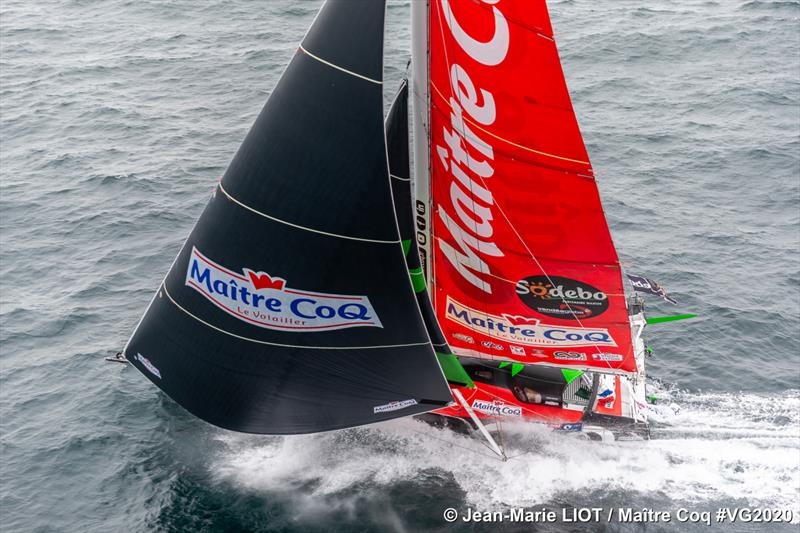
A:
x: 744, y: 447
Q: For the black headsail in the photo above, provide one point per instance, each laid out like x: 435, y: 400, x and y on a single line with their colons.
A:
x: 289, y: 308
x: 400, y: 172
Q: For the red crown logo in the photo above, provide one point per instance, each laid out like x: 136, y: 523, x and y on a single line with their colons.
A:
x: 264, y: 281
x: 518, y: 320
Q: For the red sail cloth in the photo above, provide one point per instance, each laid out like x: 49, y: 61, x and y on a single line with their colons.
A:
x: 523, y: 264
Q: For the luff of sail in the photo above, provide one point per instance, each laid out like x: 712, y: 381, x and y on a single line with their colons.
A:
x: 289, y: 309
x: 521, y: 259
x: 400, y: 171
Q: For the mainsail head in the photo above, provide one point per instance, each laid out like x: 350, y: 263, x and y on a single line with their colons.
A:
x: 289, y: 308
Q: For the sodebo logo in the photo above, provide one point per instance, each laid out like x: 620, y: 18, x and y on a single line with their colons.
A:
x: 560, y: 297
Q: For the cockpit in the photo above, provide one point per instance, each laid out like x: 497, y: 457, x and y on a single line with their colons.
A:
x: 530, y: 384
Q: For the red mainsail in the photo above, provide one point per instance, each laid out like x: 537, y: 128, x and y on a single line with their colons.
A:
x: 520, y: 261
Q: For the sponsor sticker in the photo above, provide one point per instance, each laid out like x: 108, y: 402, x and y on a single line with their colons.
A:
x: 571, y: 427
x: 148, y: 365
x: 492, y: 345
x: 517, y: 350
x: 570, y: 356
x: 607, y: 357
x: 465, y: 338
x: 496, y: 408
x: 266, y: 301
x: 525, y: 330
x: 560, y: 297
x: 393, y: 406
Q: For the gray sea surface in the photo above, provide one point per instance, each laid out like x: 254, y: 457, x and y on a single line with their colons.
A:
x: 116, y: 120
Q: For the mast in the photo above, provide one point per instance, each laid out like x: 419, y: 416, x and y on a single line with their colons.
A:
x: 420, y: 119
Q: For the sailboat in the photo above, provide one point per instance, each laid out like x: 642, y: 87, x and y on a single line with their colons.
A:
x: 327, y: 285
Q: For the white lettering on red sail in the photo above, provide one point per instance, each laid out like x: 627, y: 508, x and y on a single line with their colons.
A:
x: 518, y: 227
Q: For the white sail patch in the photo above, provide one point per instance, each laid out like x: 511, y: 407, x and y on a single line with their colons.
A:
x: 266, y: 301
x: 393, y: 406
x: 525, y: 330
x: 148, y: 365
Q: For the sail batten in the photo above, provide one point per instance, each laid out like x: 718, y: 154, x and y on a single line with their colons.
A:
x: 333, y: 65
x: 298, y: 226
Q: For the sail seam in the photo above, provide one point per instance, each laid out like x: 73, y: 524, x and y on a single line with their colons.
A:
x: 304, y: 228
x: 399, y: 178
x: 337, y: 67
x: 512, y: 143
x: 212, y: 326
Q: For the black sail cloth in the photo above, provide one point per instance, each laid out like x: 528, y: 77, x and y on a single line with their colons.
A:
x: 289, y: 308
x: 400, y: 172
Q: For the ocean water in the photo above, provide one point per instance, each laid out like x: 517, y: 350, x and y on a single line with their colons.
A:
x: 117, y: 118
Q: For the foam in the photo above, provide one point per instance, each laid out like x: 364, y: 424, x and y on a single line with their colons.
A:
x: 720, y: 447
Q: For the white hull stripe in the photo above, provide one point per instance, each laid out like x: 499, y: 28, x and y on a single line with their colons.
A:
x: 171, y: 299
x: 304, y: 228
x: 337, y: 67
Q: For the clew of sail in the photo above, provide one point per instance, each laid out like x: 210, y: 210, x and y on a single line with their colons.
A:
x: 289, y: 308
x: 520, y: 261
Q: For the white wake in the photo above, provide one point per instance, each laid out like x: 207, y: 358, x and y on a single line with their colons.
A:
x: 720, y: 447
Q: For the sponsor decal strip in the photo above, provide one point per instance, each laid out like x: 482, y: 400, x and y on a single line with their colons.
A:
x: 467, y: 352
x: 393, y: 406
x: 496, y: 408
x: 266, y: 301
x: 525, y: 330
x: 198, y: 288
x: 281, y: 345
x: 242, y: 278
